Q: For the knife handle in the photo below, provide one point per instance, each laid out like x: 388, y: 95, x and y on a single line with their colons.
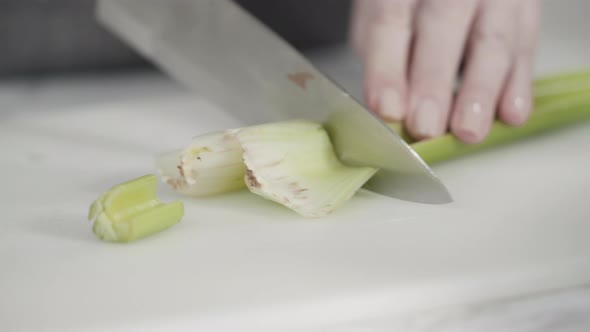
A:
x: 560, y: 100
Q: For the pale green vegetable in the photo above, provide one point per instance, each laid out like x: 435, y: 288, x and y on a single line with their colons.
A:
x: 212, y: 164
x: 559, y: 100
x: 131, y: 210
x: 561, y: 84
x: 292, y: 163
x: 552, y: 114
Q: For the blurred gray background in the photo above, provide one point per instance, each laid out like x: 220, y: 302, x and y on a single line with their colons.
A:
x: 50, y: 36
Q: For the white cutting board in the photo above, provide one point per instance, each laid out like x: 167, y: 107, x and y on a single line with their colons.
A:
x: 520, y: 224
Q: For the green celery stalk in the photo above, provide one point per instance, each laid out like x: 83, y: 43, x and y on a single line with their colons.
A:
x: 559, y: 100
x: 552, y: 113
x: 562, y: 84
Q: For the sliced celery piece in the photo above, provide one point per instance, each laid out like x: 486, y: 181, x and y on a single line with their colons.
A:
x: 131, y: 211
x: 293, y: 163
x: 212, y: 164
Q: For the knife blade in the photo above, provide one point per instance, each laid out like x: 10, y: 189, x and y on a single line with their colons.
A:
x: 227, y: 56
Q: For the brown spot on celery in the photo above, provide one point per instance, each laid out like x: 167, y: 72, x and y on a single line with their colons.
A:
x: 300, y: 78
x: 176, y: 184
x: 251, y: 179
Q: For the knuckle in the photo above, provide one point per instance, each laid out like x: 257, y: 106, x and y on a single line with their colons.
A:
x: 491, y: 36
x: 496, y: 41
x: 393, y: 12
x: 479, y: 88
x: 433, y: 75
x: 438, y: 90
x: 526, y: 49
x: 485, y: 87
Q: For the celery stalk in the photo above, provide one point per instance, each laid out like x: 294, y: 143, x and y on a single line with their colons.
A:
x: 212, y: 164
x: 559, y: 100
x: 293, y: 163
x: 560, y: 83
x: 551, y: 112
x: 131, y: 211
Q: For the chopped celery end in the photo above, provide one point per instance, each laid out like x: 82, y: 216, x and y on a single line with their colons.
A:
x: 293, y: 163
x: 211, y: 165
x: 131, y: 210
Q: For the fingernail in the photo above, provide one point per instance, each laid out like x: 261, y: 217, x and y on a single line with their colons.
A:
x: 519, y: 104
x: 390, y: 106
x: 515, y: 112
x: 520, y: 110
x: 472, y: 121
x: 427, y: 119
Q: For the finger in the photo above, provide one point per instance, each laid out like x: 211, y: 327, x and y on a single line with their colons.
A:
x: 489, y: 58
x: 386, y: 57
x: 441, y: 30
x: 359, y: 24
x: 517, y: 99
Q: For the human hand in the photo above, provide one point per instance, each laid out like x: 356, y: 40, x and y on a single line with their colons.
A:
x: 413, y: 50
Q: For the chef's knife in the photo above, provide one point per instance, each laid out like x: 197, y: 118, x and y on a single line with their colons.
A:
x: 227, y: 56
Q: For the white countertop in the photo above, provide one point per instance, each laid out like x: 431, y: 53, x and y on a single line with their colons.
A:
x: 65, y: 140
